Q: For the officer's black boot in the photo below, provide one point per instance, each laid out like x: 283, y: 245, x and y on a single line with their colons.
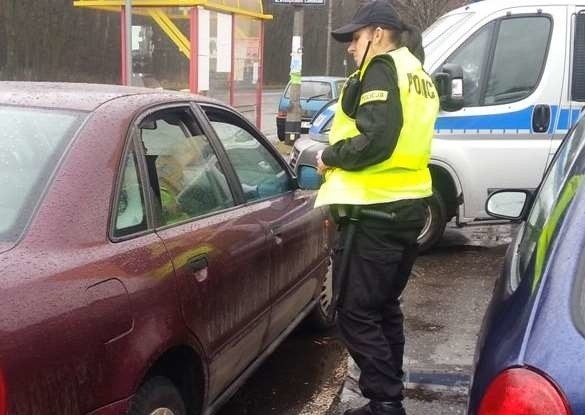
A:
x: 378, y: 408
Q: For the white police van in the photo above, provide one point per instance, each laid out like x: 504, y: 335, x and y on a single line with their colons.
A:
x: 515, y: 71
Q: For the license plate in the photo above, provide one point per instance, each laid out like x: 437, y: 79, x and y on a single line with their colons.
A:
x: 306, y: 124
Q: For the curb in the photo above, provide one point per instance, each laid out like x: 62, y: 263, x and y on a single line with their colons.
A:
x: 450, y: 380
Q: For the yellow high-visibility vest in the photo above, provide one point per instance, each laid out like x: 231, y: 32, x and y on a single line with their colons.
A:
x: 405, y: 174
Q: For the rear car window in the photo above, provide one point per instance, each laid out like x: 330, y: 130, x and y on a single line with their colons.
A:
x: 31, y: 143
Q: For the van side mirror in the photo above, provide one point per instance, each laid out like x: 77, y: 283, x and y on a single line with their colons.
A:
x: 449, y: 83
x: 308, y: 177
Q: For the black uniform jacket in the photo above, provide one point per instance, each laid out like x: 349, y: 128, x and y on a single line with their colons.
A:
x: 379, y: 122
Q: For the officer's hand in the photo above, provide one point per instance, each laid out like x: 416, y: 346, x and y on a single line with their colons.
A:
x: 321, y: 167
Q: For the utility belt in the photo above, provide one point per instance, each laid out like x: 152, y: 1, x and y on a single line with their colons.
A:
x: 397, y: 211
x: 391, y: 214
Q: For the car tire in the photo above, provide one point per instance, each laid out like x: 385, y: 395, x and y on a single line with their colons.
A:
x: 435, y: 224
x: 323, y: 317
x: 157, y: 396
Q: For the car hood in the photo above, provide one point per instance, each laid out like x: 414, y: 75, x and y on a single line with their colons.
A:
x: 304, y: 142
x: 320, y: 138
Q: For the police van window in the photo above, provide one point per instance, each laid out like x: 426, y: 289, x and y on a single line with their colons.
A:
x: 578, y: 81
x: 518, y: 60
x: 471, y: 56
x: 442, y: 26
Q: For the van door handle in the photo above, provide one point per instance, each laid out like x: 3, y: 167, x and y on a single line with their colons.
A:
x: 541, y: 118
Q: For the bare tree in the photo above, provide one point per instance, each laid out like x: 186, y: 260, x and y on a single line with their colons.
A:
x: 422, y: 13
x: 51, y: 40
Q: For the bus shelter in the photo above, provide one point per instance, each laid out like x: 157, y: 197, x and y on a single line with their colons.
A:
x: 210, y: 47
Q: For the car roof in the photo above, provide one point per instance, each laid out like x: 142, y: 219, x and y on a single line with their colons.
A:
x: 81, y: 97
x: 488, y: 6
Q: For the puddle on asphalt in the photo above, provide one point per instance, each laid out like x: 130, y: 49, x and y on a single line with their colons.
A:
x: 415, y: 323
x: 425, y: 395
x: 479, y: 235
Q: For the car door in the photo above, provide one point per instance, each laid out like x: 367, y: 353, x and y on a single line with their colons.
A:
x: 297, y: 231
x: 217, y: 248
x: 512, y: 88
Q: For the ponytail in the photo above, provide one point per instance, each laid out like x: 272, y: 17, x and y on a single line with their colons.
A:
x: 411, y: 37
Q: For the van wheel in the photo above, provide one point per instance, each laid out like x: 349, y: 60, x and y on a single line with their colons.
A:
x: 434, y: 226
x: 157, y: 396
x: 323, y: 316
x: 280, y: 133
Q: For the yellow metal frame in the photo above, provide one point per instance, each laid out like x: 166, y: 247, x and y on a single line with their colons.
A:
x: 165, y: 22
x: 217, y: 5
x: 172, y: 31
x: 139, y: 11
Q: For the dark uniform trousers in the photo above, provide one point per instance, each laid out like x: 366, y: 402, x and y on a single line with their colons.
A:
x: 370, y: 319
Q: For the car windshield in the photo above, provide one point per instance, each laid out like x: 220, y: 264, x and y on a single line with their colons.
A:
x: 31, y: 143
x: 314, y: 90
x: 442, y: 26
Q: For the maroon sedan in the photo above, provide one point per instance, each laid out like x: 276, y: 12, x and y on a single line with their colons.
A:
x: 154, y: 248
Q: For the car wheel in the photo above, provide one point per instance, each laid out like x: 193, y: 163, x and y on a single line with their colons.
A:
x: 323, y: 316
x: 158, y: 396
x: 436, y: 220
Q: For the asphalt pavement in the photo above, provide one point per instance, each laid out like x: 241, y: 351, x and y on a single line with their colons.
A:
x: 443, y: 304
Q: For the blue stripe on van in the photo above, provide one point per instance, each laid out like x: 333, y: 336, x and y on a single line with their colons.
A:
x: 568, y: 118
x: 517, y: 120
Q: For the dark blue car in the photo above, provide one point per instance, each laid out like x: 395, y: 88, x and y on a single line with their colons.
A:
x: 530, y: 357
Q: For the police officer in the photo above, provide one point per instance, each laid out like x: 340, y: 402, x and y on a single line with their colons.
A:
x: 377, y: 159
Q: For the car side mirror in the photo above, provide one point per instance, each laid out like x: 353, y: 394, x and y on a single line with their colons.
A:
x: 308, y: 177
x: 449, y: 84
x: 509, y: 204
x: 147, y: 124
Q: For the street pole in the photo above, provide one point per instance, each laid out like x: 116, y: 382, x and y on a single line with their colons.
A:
x: 328, y: 35
x: 292, y: 128
x: 128, y: 45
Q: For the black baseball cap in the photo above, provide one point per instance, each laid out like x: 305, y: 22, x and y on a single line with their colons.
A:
x: 375, y: 12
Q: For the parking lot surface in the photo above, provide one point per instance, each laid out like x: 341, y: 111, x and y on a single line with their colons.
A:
x: 443, y: 304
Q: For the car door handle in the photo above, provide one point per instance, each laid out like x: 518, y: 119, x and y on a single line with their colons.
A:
x: 276, y: 235
x: 197, y: 264
x: 541, y: 118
